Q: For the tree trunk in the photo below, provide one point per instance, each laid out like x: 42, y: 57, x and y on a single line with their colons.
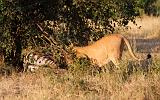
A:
x: 17, y: 62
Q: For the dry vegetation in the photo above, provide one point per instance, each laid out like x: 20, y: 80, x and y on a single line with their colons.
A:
x: 79, y: 83
x: 117, y: 85
x: 147, y: 27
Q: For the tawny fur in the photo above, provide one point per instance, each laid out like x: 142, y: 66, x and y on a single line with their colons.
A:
x: 109, y: 48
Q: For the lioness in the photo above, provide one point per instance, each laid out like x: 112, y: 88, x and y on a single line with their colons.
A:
x: 109, y: 48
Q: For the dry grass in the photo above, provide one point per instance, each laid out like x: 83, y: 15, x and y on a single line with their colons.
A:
x: 148, y: 27
x: 45, y: 85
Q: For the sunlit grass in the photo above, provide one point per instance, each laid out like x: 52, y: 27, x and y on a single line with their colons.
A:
x: 147, y: 27
x: 115, y: 85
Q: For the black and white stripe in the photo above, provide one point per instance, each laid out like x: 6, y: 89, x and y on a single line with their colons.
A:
x: 33, y: 61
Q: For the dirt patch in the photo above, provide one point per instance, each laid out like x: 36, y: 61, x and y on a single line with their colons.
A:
x: 148, y: 45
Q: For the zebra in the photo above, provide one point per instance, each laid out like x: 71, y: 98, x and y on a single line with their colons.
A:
x: 32, y: 61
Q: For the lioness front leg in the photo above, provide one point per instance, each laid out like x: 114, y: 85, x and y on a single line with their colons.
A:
x: 101, y: 62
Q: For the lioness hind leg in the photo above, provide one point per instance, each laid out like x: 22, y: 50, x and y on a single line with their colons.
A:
x: 116, y: 62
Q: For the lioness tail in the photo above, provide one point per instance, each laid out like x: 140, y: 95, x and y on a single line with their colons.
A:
x: 129, y: 48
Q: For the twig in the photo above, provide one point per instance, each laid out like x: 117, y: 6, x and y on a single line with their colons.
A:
x: 34, y: 42
x: 52, y: 41
x: 48, y: 40
x: 42, y: 29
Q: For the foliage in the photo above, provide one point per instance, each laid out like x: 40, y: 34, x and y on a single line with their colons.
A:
x: 150, y: 7
x: 19, y: 19
x: 83, y: 67
x: 101, y: 13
